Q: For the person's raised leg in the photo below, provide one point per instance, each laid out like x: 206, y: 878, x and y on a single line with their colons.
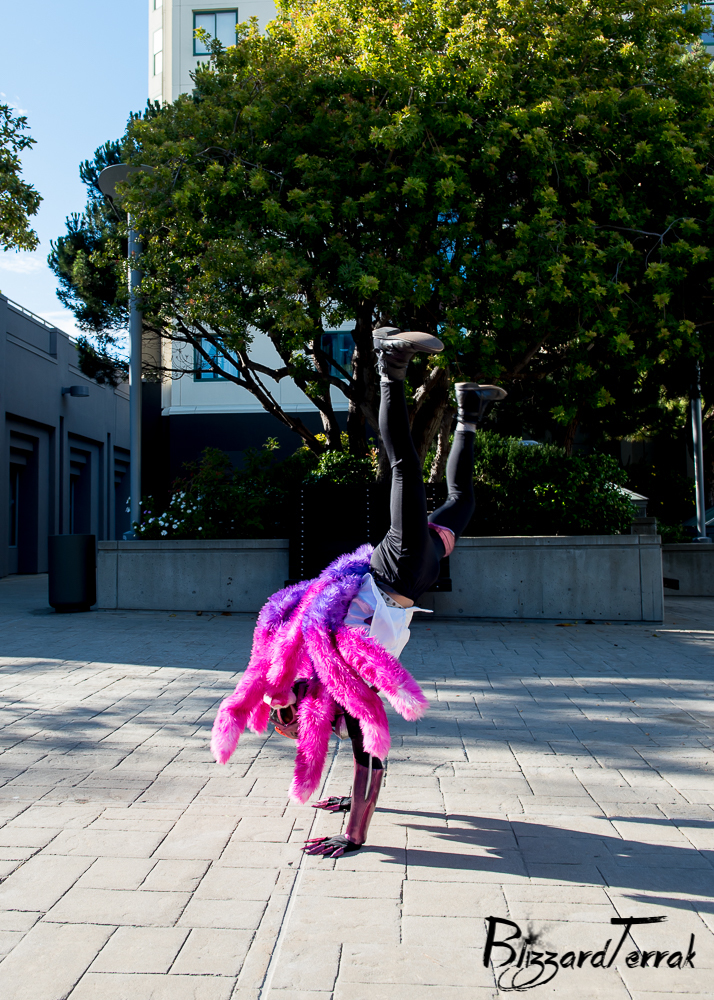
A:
x: 407, y: 542
x: 473, y: 401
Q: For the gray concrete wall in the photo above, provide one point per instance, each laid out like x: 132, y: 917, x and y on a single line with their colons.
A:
x: 689, y: 565
x: 598, y: 577
x: 178, y: 575
x: 68, y: 457
x: 616, y: 578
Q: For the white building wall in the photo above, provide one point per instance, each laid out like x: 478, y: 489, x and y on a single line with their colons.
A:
x: 171, y: 62
x: 174, y: 18
x: 186, y: 395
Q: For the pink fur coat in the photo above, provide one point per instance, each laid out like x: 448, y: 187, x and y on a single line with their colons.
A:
x: 301, y: 635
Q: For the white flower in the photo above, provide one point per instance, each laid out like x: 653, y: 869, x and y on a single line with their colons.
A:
x: 164, y: 532
x: 200, y: 529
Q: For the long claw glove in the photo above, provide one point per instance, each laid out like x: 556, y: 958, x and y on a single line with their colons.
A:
x: 334, y: 804
x: 330, y: 847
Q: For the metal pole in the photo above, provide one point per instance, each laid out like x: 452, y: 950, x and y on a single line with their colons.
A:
x: 697, y: 435
x: 134, y: 382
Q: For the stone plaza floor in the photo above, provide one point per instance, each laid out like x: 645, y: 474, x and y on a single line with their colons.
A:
x: 563, y: 777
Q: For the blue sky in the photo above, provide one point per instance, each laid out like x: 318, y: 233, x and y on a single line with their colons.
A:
x: 76, y: 72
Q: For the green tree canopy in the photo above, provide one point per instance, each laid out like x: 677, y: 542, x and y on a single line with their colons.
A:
x: 531, y: 180
x: 18, y: 199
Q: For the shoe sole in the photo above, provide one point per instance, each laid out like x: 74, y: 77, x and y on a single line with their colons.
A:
x: 495, y: 394
x: 419, y: 341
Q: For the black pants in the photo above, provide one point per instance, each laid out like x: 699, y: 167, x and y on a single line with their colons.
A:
x: 407, y: 559
x: 358, y: 750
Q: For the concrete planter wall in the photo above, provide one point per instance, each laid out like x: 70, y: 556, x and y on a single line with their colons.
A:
x: 602, y: 577
x: 610, y: 578
x: 177, y: 575
x: 688, y: 569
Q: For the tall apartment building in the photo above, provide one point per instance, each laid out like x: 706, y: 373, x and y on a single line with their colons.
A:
x: 194, y: 411
x: 174, y: 51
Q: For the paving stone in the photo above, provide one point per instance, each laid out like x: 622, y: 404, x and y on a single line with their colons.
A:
x: 435, y: 966
x: 40, y: 882
x: 115, y: 906
x: 332, y: 920
x: 60, y: 817
x: 238, y: 913
x: 113, y: 986
x: 196, y: 838
x: 222, y: 882
x: 174, y: 876
x: 140, y: 949
x: 18, y: 920
x: 351, y: 884
x: 306, y: 966
x: 105, y: 843
x: 116, y: 873
x: 49, y: 960
x: 213, y: 952
x: 394, y: 991
x: 18, y: 836
x: 449, y: 899
x: 265, y: 831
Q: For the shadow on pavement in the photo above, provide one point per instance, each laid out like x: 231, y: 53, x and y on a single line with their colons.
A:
x: 537, y: 850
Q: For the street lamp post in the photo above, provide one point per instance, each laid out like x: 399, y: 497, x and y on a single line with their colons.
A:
x: 107, y: 181
x: 697, y: 438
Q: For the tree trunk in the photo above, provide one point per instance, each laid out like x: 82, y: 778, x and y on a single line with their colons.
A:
x: 332, y: 429
x: 430, y: 404
x: 438, y: 466
x: 570, y: 435
x: 364, y: 406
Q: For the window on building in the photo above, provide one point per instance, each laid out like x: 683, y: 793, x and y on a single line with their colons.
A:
x: 203, y: 371
x: 157, y: 4
x: 158, y: 51
x: 340, y: 347
x: 220, y: 24
x: 708, y: 36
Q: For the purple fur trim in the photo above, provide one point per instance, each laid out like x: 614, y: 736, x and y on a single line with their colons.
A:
x: 281, y: 605
x: 356, y: 562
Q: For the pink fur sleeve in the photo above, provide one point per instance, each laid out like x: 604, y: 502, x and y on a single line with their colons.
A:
x: 382, y: 670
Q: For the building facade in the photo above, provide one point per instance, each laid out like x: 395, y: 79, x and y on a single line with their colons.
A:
x: 201, y: 409
x: 174, y: 51
x: 65, y: 457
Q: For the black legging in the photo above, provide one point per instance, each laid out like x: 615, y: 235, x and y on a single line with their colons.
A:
x: 407, y: 559
x: 358, y: 750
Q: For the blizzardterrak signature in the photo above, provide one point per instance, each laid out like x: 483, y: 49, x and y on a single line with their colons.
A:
x: 525, y: 964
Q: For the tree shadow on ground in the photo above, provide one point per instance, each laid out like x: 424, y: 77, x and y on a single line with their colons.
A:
x: 538, y: 850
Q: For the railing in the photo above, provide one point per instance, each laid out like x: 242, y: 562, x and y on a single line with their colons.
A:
x: 16, y: 307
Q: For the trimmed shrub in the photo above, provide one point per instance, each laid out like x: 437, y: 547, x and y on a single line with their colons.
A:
x: 536, y: 490
x: 214, y: 500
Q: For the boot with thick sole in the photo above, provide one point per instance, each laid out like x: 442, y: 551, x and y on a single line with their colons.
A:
x: 395, y: 349
x: 473, y: 400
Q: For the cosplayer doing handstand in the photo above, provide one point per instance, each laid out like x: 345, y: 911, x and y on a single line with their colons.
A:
x: 325, y: 649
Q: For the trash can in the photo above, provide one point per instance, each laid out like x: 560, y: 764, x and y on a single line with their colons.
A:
x: 72, y: 572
